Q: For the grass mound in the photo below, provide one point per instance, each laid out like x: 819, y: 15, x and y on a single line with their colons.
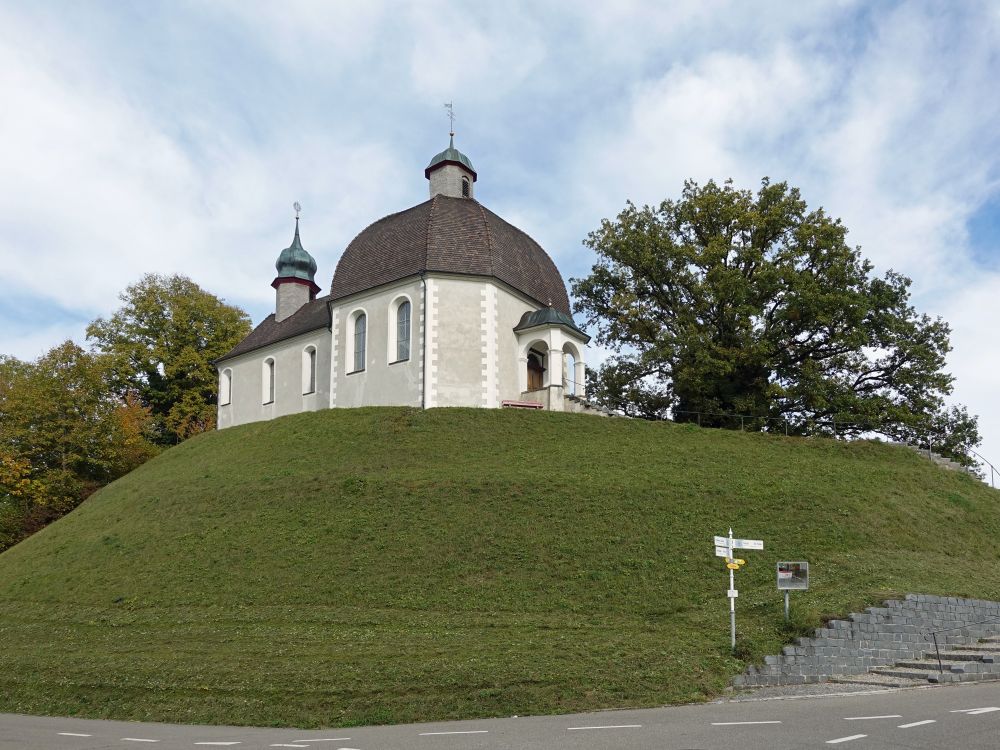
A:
x: 390, y: 565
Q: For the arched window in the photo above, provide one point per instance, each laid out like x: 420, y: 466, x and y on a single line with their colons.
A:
x: 403, y: 331
x: 360, y: 327
x: 267, y: 385
x: 225, y: 387
x: 569, y: 375
x: 309, y: 370
x: 466, y: 187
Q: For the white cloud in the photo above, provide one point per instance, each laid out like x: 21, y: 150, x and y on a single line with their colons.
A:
x: 180, y: 146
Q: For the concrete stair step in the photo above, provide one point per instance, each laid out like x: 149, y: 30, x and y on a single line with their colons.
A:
x: 969, y: 654
x: 878, y: 680
x: 909, y: 674
x: 958, y: 666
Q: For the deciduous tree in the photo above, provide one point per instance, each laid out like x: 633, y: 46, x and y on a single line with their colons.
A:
x: 63, y: 434
x: 162, y: 342
x: 730, y: 302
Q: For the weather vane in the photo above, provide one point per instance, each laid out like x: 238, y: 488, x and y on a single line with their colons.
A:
x: 451, y: 116
x: 297, y: 208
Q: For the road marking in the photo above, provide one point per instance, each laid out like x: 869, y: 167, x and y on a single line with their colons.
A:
x: 217, y: 743
x: 471, y: 731
x: 74, y: 734
x: 289, y: 745
x: 917, y: 723
x: 846, y: 739
x: 610, y: 726
x: 738, y: 723
x: 975, y: 711
x: 328, y: 739
x: 136, y: 739
x: 865, y: 718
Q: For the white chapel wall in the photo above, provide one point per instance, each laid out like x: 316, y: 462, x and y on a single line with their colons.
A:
x: 457, y: 355
x: 247, y: 384
x: 384, y: 380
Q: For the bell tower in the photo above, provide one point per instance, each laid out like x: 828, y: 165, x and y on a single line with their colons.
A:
x: 450, y: 172
x: 295, y: 284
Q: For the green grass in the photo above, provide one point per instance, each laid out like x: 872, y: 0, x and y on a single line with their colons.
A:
x: 390, y: 565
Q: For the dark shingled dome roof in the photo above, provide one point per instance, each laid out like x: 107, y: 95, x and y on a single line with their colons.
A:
x: 452, y: 235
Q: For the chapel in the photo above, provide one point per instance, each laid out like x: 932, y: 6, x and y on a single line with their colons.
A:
x: 442, y: 304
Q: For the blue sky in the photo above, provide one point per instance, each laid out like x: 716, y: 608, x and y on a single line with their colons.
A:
x: 174, y: 136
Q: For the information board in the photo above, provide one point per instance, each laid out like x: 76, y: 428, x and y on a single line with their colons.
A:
x: 793, y: 576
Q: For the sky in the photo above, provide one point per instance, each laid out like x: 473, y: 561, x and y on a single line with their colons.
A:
x: 173, y: 137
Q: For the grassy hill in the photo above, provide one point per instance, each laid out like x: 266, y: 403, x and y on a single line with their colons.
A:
x: 386, y: 565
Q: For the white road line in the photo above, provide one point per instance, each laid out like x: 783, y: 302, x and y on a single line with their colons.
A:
x: 136, y: 739
x: 865, y: 718
x: 328, y: 739
x: 983, y: 710
x: 471, y: 731
x: 74, y: 734
x: 917, y: 723
x: 846, y: 739
x: 217, y: 743
x: 279, y: 745
x: 614, y: 726
x: 739, y: 723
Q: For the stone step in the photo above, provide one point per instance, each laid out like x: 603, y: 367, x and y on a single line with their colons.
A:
x: 932, y: 665
x: 968, y: 654
x: 909, y: 674
x: 877, y: 680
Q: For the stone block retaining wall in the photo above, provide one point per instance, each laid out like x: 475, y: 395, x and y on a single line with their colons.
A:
x: 879, y: 636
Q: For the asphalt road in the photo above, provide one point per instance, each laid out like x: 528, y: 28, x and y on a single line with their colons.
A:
x: 964, y: 717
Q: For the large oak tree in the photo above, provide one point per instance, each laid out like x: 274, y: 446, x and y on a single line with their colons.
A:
x: 730, y: 302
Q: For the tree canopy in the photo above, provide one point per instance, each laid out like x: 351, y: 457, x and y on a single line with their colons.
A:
x: 62, y: 435
x: 731, y: 302
x: 161, y: 344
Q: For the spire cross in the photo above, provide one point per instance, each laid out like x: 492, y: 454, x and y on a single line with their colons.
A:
x: 297, y: 208
x: 451, y: 116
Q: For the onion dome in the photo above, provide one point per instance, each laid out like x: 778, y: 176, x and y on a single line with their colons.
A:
x: 449, y: 235
x: 450, y: 155
x: 295, y: 264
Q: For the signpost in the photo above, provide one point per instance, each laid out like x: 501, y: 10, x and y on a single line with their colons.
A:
x: 724, y: 546
x: 792, y: 576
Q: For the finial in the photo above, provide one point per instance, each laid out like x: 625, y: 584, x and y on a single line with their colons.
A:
x: 296, y: 242
x: 451, y: 119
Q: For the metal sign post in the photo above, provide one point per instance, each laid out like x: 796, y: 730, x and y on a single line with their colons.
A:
x: 724, y: 547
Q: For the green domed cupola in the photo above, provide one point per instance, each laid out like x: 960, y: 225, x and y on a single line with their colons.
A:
x: 451, y: 173
x: 295, y: 283
x: 295, y: 263
x: 450, y: 155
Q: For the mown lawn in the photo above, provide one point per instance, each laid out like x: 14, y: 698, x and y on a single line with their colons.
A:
x: 390, y: 565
